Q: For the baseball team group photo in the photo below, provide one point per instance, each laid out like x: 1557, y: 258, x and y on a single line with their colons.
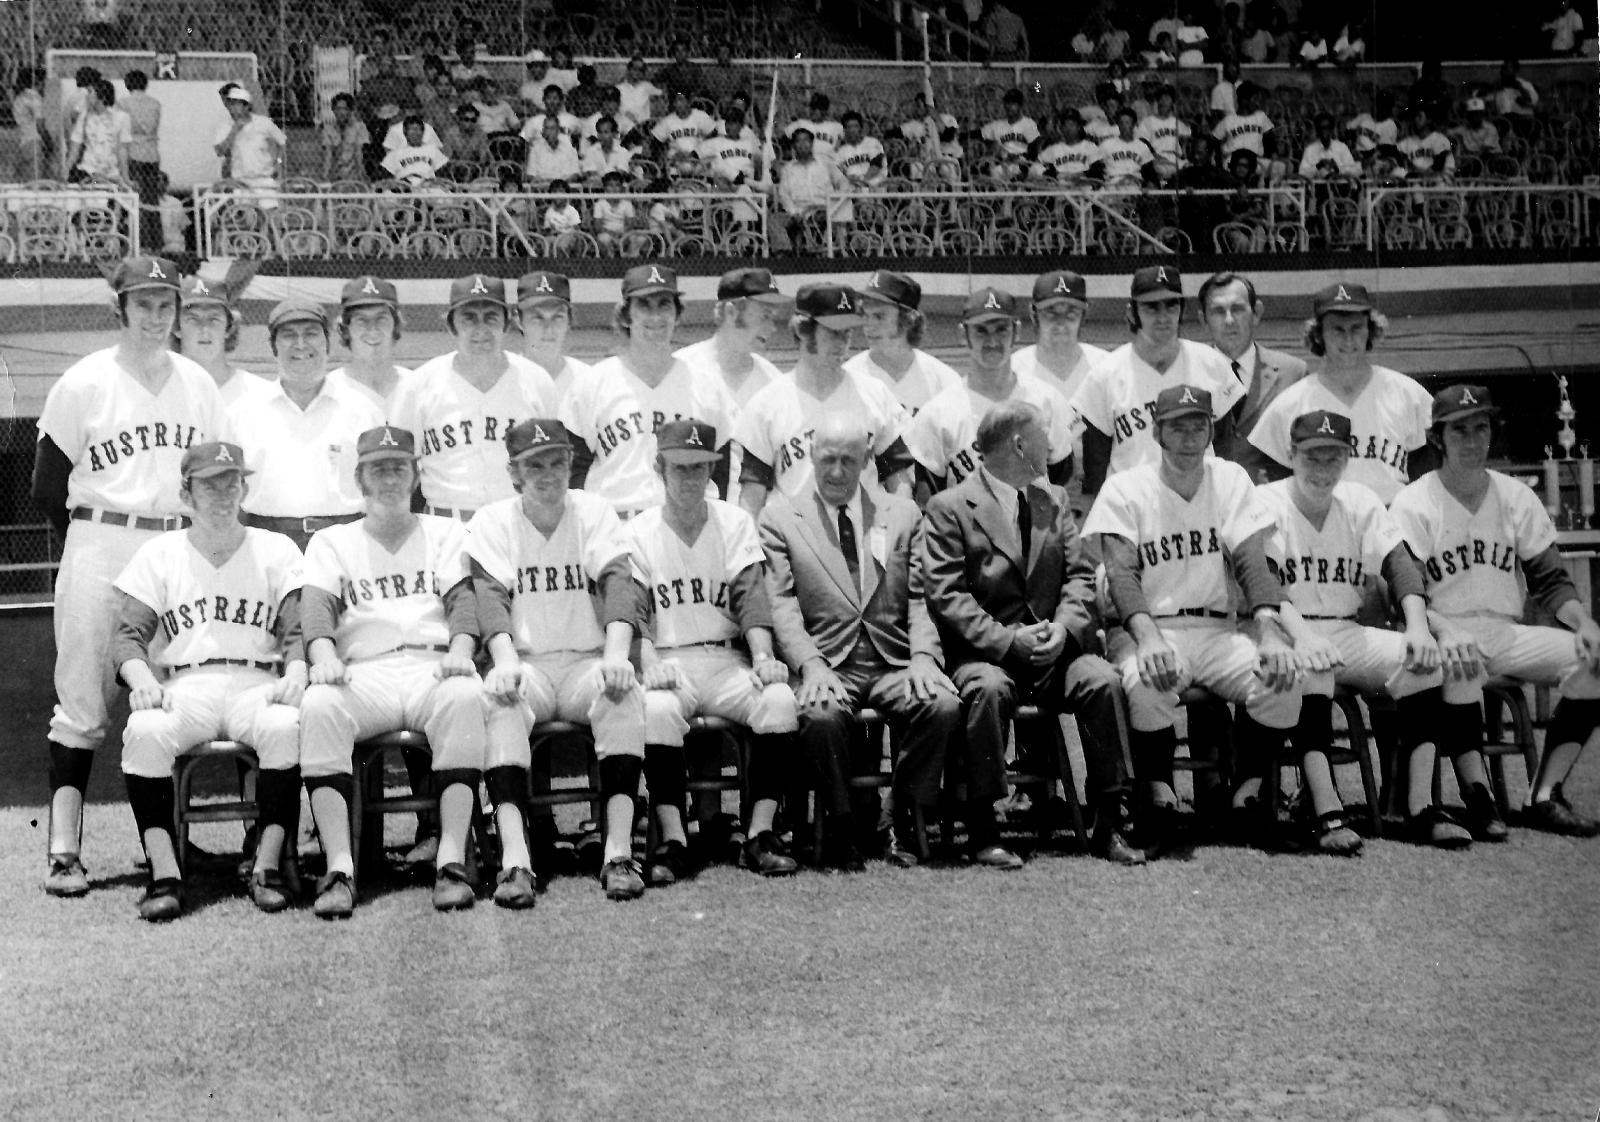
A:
x: 885, y: 615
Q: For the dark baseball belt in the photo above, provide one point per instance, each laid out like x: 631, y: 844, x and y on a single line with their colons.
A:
x: 307, y: 525
x: 250, y: 662
x: 136, y: 521
x: 438, y: 648
x: 1303, y: 615
x: 1199, y: 613
x: 447, y: 512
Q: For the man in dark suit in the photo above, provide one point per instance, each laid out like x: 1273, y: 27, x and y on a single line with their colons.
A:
x: 844, y: 573
x: 1010, y: 591
x: 1233, y: 312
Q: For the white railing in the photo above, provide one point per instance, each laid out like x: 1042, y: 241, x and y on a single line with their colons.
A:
x: 1502, y: 215
x: 52, y: 221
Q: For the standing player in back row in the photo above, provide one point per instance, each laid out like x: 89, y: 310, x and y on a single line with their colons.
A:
x: 890, y: 305
x: 1060, y: 359
x: 369, y: 326
x: 106, y: 474
x: 1117, y: 399
x: 775, y: 428
x: 208, y: 332
x: 1388, y: 411
x: 461, y: 405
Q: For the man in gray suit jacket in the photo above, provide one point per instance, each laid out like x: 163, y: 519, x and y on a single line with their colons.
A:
x: 844, y: 573
x: 1010, y: 590
x: 1233, y: 312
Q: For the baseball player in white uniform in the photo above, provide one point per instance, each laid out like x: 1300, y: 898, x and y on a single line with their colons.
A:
x: 709, y: 650
x: 775, y: 428
x: 215, y: 610
x: 1118, y: 397
x: 893, y: 325
x: 461, y: 405
x: 1171, y: 533
x: 666, y: 387
x: 1388, y: 411
x: 1482, y: 536
x: 106, y: 474
x: 943, y: 438
x: 1331, y: 537
x: 390, y: 629
x: 208, y: 332
x: 558, y: 601
x: 1059, y: 358
x: 369, y: 327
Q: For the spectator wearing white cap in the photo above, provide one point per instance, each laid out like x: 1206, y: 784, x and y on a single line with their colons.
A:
x: 252, y: 147
x: 1477, y: 136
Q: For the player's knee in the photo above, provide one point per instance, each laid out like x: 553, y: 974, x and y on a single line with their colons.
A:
x: 460, y: 695
x: 149, y: 746
x: 277, y: 737
x: 822, y: 714
x: 664, y: 720
x: 1274, y: 709
x: 321, y: 707
x: 778, y: 711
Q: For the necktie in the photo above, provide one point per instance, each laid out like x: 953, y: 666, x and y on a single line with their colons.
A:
x: 1024, y: 523
x: 847, y: 543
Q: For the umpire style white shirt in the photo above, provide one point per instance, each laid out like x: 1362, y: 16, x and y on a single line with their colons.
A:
x: 304, y: 460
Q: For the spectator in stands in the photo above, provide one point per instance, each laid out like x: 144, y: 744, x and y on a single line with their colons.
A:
x: 415, y: 161
x: 34, y: 143
x: 1314, y: 49
x: 344, y: 142
x: 1006, y: 33
x: 1168, y: 24
x: 1124, y: 159
x: 1070, y: 155
x: 1086, y: 43
x: 1192, y: 41
x: 1100, y: 118
x: 1013, y: 138
x: 560, y: 217
x: 1225, y: 94
x: 1564, y: 30
x: 1514, y: 94
x: 100, y: 140
x: 466, y: 71
x: 1244, y: 174
x: 1327, y: 157
x: 1257, y: 44
x: 1230, y: 31
x: 612, y: 214
x: 465, y: 141
x: 1478, y: 136
x: 1165, y: 133
x: 1428, y: 152
x: 803, y: 189
x: 679, y: 134
x: 394, y: 129
x: 680, y: 73
x: 729, y: 157
x: 636, y: 91
x: 1246, y: 127
x: 610, y: 106
x: 1198, y: 215
x: 860, y: 156
x: 1376, y: 132
x: 439, y: 107
x: 606, y: 155
x: 144, y: 153
x: 826, y: 133
x: 252, y: 148
x: 1350, y: 48
x: 533, y: 84
x: 72, y: 105
x: 495, y: 114
x: 383, y: 79
x: 562, y: 72
x: 724, y: 80
x: 426, y: 52
x: 1285, y: 42
x: 1162, y: 56
x: 551, y: 155
x: 555, y: 108
x: 1430, y: 91
x: 1113, y: 40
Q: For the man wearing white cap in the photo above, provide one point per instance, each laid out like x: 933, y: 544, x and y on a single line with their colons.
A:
x: 252, y: 147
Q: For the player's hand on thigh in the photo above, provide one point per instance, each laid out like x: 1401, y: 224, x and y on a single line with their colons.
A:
x: 291, y: 688
x: 924, y: 679
x: 819, y: 685
x: 1277, y: 665
x: 504, y: 683
x: 1459, y: 655
x: 616, y: 678
x: 1319, y: 653
x: 152, y: 696
x: 770, y: 672
x: 330, y: 673
x: 663, y: 674
x: 454, y: 665
x: 1422, y: 650
x: 1587, y: 641
x: 1158, y: 664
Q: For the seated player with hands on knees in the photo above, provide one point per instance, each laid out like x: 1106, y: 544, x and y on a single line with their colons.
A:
x: 391, y: 628
x: 1476, y: 532
x: 226, y: 600
x: 1171, y: 533
x: 1333, y: 535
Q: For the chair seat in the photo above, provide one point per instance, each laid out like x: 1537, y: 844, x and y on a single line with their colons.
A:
x: 186, y: 812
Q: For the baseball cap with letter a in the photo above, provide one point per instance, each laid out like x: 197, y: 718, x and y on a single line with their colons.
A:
x: 1182, y: 401
x: 988, y: 304
x: 214, y: 457
x: 535, y: 435
x: 834, y: 306
x: 647, y: 280
x: 1320, y: 427
x: 1341, y: 297
x: 1061, y: 286
x: 385, y: 443
x: 199, y: 292
x: 1454, y: 402
x: 364, y: 291
x: 144, y: 272
x: 1159, y: 281
x: 540, y: 288
x: 476, y: 288
x: 750, y: 284
x: 893, y: 288
x: 687, y: 442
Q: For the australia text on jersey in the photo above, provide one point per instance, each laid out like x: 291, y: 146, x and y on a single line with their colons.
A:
x: 1470, y: 555
x: 140, y: 438
x: 458, y: 434
x: 1307, y: 569
x: 241, y: 610
x: 630, y: 426
x: 553, y: 578
x: 1178, y: 546
x: 391, y: 587
x: 678, y: 592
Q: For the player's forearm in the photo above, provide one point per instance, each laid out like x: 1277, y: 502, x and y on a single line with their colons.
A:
x: 622, y: 599
x: 136, y: 674
x: 1414, y: 610
x: 759, y: 640
x: 1548, y: 581
x: 1255, y: 577
x: 136, y: 629
x: 1572, y: 614
x: 502, y: 651
x: 1294, y: 624
x: 747, y: 597
x: 619, y: 639
x: 321, y: 651
x: 1122, y: 577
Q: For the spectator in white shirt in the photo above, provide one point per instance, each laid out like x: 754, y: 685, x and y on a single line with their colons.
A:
x: 1376, y: 132
x: 859, y: 156
x: 1013, y: 138
x: 804, y: 185
x: 1070, y: 157
x: 730, y: 155
x: 636, y: 91
x: 1224, y: 93
x: 612, y: 215
x: 465, y: 71
x: 551, y: 155
x: 415, y: 161
x: 1350, y: 48
x: 100, y: 138
x: 1164, y: 132
x: 395, y: 135
x: 1124, y: 159
x: 679, y: 134
x: 1515, y: 95
x: 562, y: 72
x: 1100, y: 119
x: 1564, y: 30
x: 561, y: 217
x: 1192, y: 40
x: 606, y: 154
x: 1313, y: 49
x: 1427, y: 151
x: 1477, y: 137
x: 495, y: 113
x: 1246, y: 127
x: 534, y: 83
x: 1257, y: 44
x: 1327, y: 157
x: 826, y: 133
x: 252, y: 147
x: 610, y: 106
x: 555, y: 107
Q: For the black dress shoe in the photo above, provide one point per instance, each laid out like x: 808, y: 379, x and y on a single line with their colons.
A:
x: 1483, y: 815
x: 996, y: 857
x: 843, y: 855
x: 1112, y: 846
x: 162, y: 901
x: 766, y: 855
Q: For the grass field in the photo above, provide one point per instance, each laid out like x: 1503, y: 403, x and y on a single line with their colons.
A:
x: 1406, y: 984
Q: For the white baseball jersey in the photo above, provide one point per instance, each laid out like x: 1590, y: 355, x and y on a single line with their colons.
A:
x: 729, y: 157
x: 1119, y: 397
x: 1124, y: 159
x: 944, y: 436
x: 1071, y: 161
x: 689, y: 584
x: 389, y: 599
x: 682, y: 135
x: 1183, y: 544
x: 304, y: 459
x: 1164, y: 135
x: 1469, y: 558
x: 125, y: 443
x: 1247, y: 132
x: 1388, y: 420
x: 461, y: 430
x: 776, y: 426
x: 599, y: 408
x: 1014, y: 137
x: 1025, y: 360
x: 213, y: 611
x: 703, y: 355
x: 384, y: 402
x: 1323, y: 570
x: 855, y: 160
x: 686, y: 391
x: 551, y: 580
x: 925, y: 379
x: 1371, y: 134
x: 240, y: 385
x: 826, y: 135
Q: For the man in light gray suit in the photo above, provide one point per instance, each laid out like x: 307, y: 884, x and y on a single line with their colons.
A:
x: 845, y: 578
x: 1233, y: 312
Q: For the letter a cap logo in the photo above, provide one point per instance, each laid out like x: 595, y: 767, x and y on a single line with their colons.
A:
x: 144, y: 272
x: 535, y: 435
x: 988, y: 304
x: 385, y: 443
x: 646, y: 280
x: 475, y: 288
x: 369, y: 291
x: 688, y: 441
x: 212, y: 458
x: 1454, y: 402
x: 1344, y: 296
x: 1182, y: 400
x: 1320, y: 427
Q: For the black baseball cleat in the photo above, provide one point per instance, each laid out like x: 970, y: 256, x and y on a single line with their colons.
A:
x: 452, y: 888
x: 766, y: 855
x: 669, y: 864
x: 66, y: 876
x: 162, y: 901
x: 516, y: 889
x: 336, y: 897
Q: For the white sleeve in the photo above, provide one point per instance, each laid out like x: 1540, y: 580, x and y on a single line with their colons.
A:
x: 741, y: 541
x: 1114, y: 511
x: 1379, y: 531
x: 1271, y: 433
x: 1243, y: 515
x: 1090, y: 402
x: 142, y: 578
x: 1420, y: 415
x: 63, y: 416
x: 489, y: 544
x: 286, y: 565
x: 1412, y: 516
x: 604, y: 539
x: 323, y: 568
x: 1059, y: 425
x: 450, y: 555
x: 891, y: 420
x: 1530, y: 522
x: 751, y: 432
x: 925, y: 440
